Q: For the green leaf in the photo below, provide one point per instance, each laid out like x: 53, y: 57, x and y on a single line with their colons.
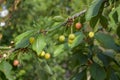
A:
x: 113, y: 19
x: 105, y: 59
x: 77, y: 40
x: 22, y: 40
x: 94, y: 21
x: 55, y: 27
x: 46, y: 67
x: 109, y: 53
x: 113, y: 76
x: 118, y: 31
x: 94, y: 9
x: 39, y: 44
x: 23, y: 35
x: 97, y: 72
x: 6, y: 68
x: 23, y: 43
x: 106, y: 41
x: 118, y: 11
x: 59, y: 49
x: 80, y: 76
x: 58, y: 18
x: 104, y: 21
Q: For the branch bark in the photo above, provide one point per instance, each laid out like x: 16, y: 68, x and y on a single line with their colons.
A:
x: 74, y: 16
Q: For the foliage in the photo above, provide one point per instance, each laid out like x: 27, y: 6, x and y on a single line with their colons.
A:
x: 33, y: 27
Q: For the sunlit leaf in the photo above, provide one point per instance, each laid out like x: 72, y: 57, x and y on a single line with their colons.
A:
x: 39, y: 44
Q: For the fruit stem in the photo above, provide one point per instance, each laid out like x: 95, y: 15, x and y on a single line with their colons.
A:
x: 72, y: 27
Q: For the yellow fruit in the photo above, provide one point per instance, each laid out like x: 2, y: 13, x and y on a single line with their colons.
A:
x: 91, y: 34
x: 70, y: 41
x: 42, y: 54
x: 31, y: 40
x: 62, y: 38
x: 71, y: 36
x: 47, y: 55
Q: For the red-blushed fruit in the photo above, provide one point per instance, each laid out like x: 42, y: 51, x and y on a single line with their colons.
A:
x: 78, y: 25
x: 16, y: 62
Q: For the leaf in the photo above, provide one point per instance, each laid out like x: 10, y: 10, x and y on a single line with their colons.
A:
x: 77, y: 40
x: 23, y: 35
x: 105, y: 59
x: 113, y: 19
x: 59, y: 49
x: 6, y: 68
x: 94, y: 21
x: 39, y: 44
x: 80, y: 76
x: 94, y: 9
x: 97, y: 72
x: 109, y: 53
x: 106, y: 41
x: 23, y: 43
x: 46, y: 67
x: 22, y: 40
x: 55, y: 27
x: 58, y: 18
x: 118, y: 31
x: 103, y: 21
x: 113, y: 76
x: 118, y: 12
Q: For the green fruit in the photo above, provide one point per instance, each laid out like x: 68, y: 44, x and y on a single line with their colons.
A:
x: 31, y: 40
x: 62, y: 38
x: 70, y: 41
x: 22, y: 72
x: 42, y: 54
x: 71, y: 37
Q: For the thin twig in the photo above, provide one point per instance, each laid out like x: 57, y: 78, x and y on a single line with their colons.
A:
x: 74, y: 16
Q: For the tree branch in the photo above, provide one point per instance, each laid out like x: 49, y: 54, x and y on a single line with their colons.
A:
x: 74, y: 17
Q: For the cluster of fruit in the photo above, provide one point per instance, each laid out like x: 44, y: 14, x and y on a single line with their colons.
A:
x: 62, y: 38
x: 44, y: 55
x: 71, y: 36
